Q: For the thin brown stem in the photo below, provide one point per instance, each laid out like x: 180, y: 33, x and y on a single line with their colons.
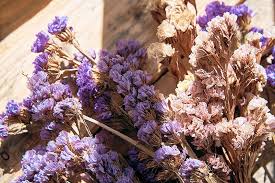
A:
x: 124, y: 137
x: 158, y: 75
x: 268, y: 174
x: 240, y: 2
x: 77, y: 46
x: 190, y: 152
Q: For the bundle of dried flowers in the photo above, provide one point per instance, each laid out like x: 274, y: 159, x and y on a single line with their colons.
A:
x: 212, y: 129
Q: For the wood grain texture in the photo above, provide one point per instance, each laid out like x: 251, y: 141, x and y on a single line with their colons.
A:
x: 99, y: 23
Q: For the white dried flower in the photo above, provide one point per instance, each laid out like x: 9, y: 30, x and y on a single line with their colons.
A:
x: 185, y: 84
x: 159, y: 51
x: 180, y: 16
x: 253, y: 38
x: 243, y: 131
x: 261, y: 76
x: 165, y: 30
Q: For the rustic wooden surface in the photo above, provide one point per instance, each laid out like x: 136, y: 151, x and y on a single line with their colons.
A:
x: 99, y: 23
x: 14, y: 13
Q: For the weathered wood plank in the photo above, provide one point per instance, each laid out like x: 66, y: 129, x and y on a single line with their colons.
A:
x: 15, y: 13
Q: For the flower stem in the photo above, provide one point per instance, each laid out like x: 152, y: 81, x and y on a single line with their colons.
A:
x: 124, y: 137
x: 76, y: 45
x: 158, y: 75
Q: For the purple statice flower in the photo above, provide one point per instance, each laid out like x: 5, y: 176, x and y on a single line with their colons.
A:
x: 145, y: 92
x: 66, y: 154
x: 40, y: 43
x: 87, y: 87
x: 270, y: 72
x: 273, y: 55
x: 130, y: 100
x: 212, y: 10
x: 66, y: 107
x: 60, y: 91
x: 188, y: 167
x: 37, y: 79
x: 127, y: 176
x: 241, y: 11
x: 42, y: 109
x: 140, y: 78
x: 104, y: 163
x: 12, y: 108
x: 49, y: 130
x: 63, y: 155
x: 40, y: 62
x: 125, y: 48
x: 138, y: 114
x: 146, y: 174
x: 58, y: 25
x: 257, y: 29
x: 107, y: 60
x: 124, y: 83
x: 171, y: 128
x: 45, y: 96
x: 102, y: 107
x: 146, y: 131
x: 161, y: 106
x: 217, y: 8
x: 27, y: 102
x: 3, y: 127
x: 261, y: 31
x: 165, y: 152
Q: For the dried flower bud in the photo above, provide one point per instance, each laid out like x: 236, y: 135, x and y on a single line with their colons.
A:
x: 165, y: 30
x: 159, y: 51
x: 185, y: 84
x: 180, y: 16
x: 254, y: 39
x: 66, y: 36
x: 54, y: 68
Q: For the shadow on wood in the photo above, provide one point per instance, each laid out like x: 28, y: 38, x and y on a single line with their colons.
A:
x: 16, y: 12
x: 127, y: 20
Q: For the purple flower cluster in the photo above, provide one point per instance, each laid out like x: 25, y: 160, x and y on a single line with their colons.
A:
x: 67, y: 153
x: 58, y: 24
x: 50, y: 103
x: 171, y: 128
x: 3, y: 127
x: 12, y: 108
x: 270, y: 72
x: 147, y: 175
x: 12, y: 111
x: 188, y: 167
x: 165, y: 152
x: 40, y: 62
x: 139, y: 99
x: 102, y: 107
x: 40, y: 43
x: 261, y: 31
x: 44, y: 95
x: 87, y: 86
x: 217, y: 8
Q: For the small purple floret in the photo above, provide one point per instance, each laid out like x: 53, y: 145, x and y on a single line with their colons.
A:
x: 12, y: 108
x: 270, y: 72
x: 58, y: 24
x: 40, y: 43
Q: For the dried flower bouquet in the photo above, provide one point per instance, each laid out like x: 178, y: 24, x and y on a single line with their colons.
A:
x: 213, y: 128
